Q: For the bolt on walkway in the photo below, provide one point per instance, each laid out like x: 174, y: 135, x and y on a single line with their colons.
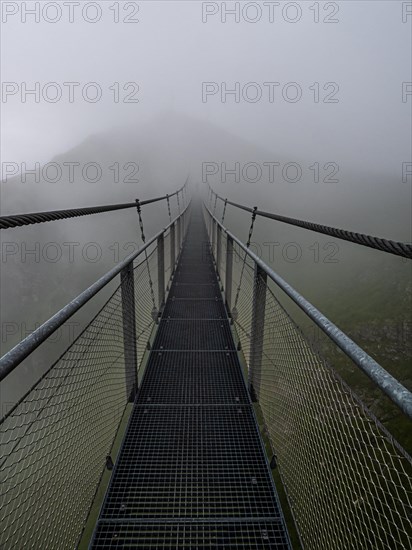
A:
x: 192, y: 471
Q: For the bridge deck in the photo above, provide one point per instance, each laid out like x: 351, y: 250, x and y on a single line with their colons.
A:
x: 192, y: 472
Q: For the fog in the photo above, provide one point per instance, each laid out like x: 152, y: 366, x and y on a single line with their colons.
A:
x: 320, y: 93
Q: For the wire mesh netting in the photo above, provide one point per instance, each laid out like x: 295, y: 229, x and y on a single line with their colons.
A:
x: 54, y: 442
x: 348, y: 482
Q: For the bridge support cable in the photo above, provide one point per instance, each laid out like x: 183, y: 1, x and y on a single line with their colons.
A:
x: 384, y: 245
x: 178, y: 203
x: 168, y: 208
x: 214, y: 206
x: 348, y: 481
x: 18, y: 220
x: 139, y: 212
x: 249, y: 239
x: 224, y: 211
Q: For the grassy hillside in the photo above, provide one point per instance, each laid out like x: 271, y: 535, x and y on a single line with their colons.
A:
x: 375, y: 311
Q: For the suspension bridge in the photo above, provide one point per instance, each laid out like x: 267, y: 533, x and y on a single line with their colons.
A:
x: 165, y: 422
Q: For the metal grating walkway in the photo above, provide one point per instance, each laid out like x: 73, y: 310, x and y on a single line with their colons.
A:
x: 192, y: 472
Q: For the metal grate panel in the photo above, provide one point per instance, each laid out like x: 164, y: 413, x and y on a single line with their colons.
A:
x: 195, y: 309
x: 193, y: 462
x: 169, y: 379
x: 262, y: 535
x: 202, y: 359
x: 196, y: 256
x: 190, y: 291
x: 192, y: 274
x: 194, y: 335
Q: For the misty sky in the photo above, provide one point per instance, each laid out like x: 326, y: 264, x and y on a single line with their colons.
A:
x: 186, y: 83
x: 170, y: 51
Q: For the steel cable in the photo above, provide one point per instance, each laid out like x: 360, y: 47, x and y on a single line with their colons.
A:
x: 385, y: 245
x: 18, y: 220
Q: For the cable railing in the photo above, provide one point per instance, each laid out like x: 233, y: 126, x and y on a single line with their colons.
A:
x: 18, y: 220
x: 58, y: 440
x: 347, y: 480
x: 385, y: 245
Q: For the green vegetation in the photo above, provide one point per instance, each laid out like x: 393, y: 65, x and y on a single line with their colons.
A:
x: 379, y: 319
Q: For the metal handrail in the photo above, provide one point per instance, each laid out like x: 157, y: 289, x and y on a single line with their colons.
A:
x: 400, y: 395
x: 20, y: 351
